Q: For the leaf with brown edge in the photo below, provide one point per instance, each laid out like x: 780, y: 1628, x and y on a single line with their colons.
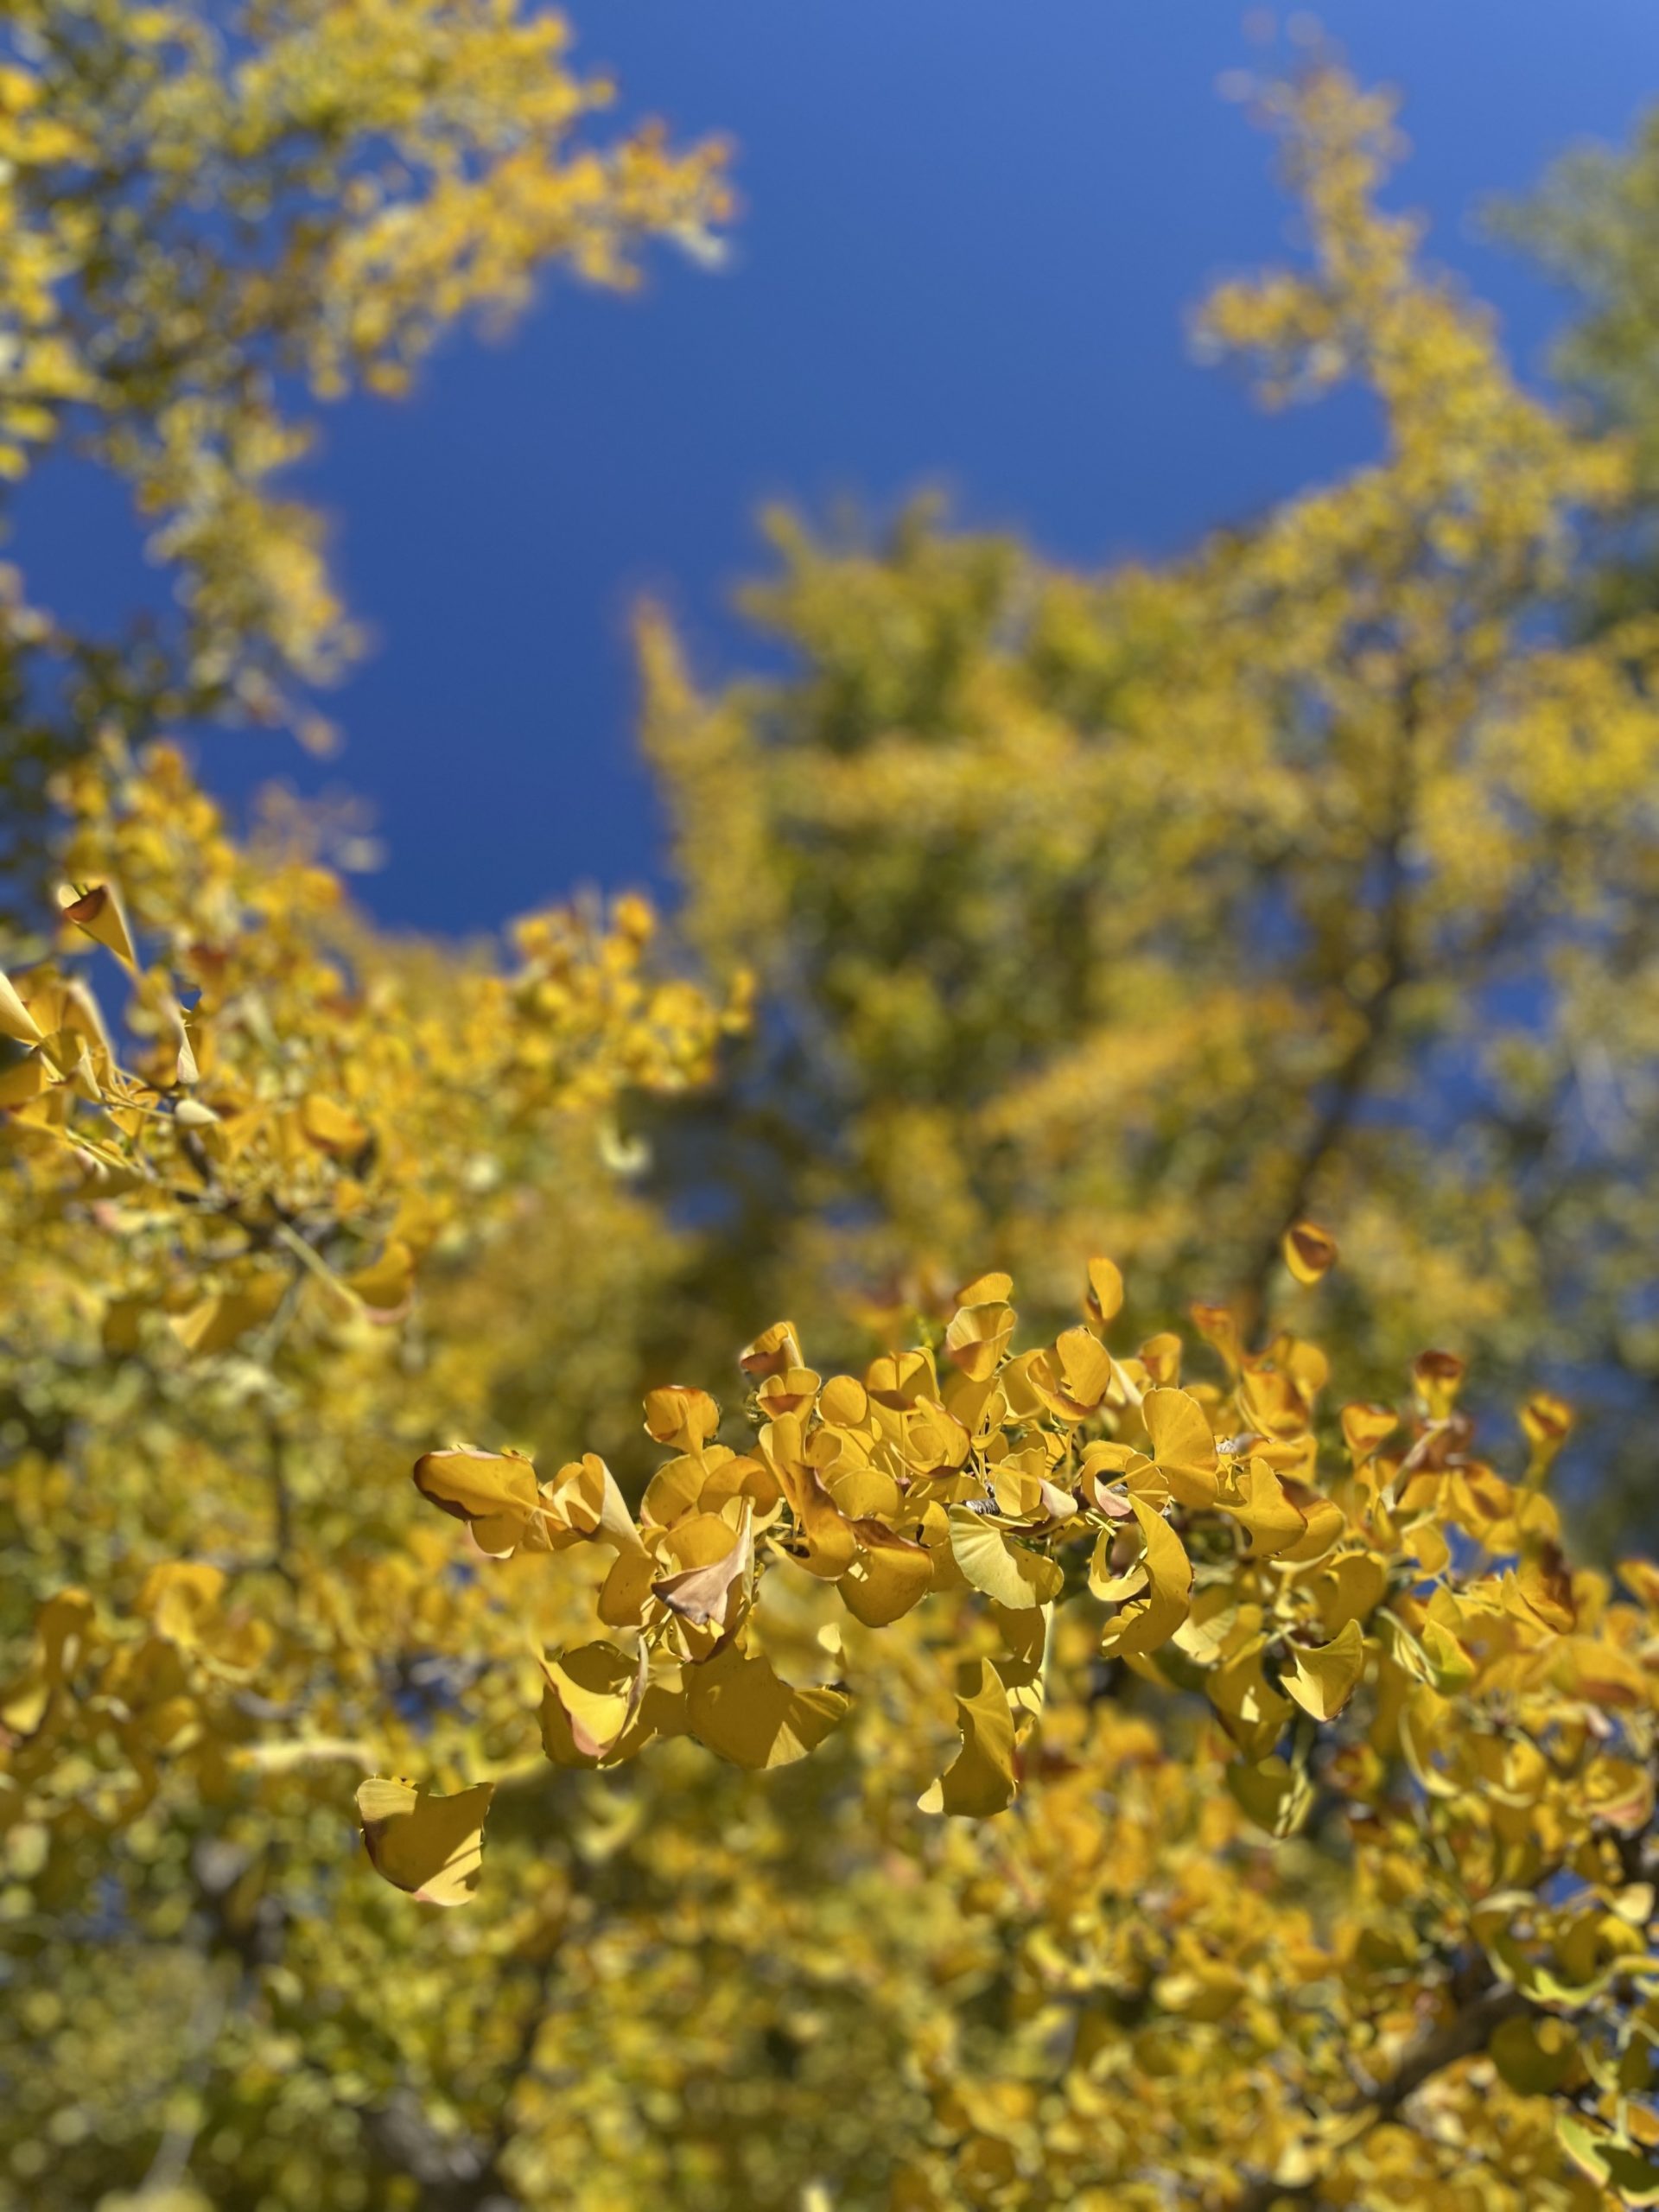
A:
x: 97, y: 912
x: 1310, y: 1252
x: 715, y: 1565
x: 590, y: 1697
x: 774, y: 1352
x: 495, y: 1492
x: 430, y: 1846
x: 980, y: 1781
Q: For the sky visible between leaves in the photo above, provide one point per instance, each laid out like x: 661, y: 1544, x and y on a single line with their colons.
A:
x: 972, y: 234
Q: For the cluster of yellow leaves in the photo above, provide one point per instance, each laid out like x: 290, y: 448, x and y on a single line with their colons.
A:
x: 1348, y: 1620
x: 234, y: 1199
x: 288, y: 1137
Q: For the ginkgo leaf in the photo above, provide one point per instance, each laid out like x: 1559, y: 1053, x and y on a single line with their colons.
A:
x: 684, y: 1418
x: 429, y: 1846
x: 715, y: 1560
x: 739, y: 1707
x: 219, y: 1322
x: 978, y: 1336
x: 1534, y: 2056
x: 829, y: 1546
x: 1073, y: 1380
x: 1365, y: 1426
x: 1145, y: 1622
x: 1321, y: 1678
x: 16, y: 1019
x: 1309, y: 1251
x: 1276, y: 1796
x: 1615, y: 2165
x: 99, y: 912
x: 495, y: 1492
x: 333, y: 1128
x: 995, y: 1562
x: 890, y: 1575
x: 1182, y: 1445
x: 980, y: 1780
x: 1258, y: 1502
x: 1105, y: 1299
x: 773, y: 1352
x: 590, y: 1700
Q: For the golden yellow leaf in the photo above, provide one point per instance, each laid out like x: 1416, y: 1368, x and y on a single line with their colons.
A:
x: 738, y: 1706
x: 998, y: 1564
x: 1309, y: 1251
x: 890, y: 1575
x: 495, y: 1492
x: 1321, y: 1678
x: 428, y: 1845
x: 99, y: 912
x: 980, y: 1780
x: 1183, y: 1446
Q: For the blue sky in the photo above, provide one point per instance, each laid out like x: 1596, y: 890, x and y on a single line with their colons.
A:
x: 972, y: 233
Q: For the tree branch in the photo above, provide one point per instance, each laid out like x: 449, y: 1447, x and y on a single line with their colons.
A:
x: 1353, y: 1074
x: 1463, y: 2035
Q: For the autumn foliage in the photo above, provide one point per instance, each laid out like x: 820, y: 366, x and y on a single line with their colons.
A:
x: 1051, y: 1730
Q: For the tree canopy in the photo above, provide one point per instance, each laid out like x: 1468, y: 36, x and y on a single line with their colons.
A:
x: 1185, y: 1747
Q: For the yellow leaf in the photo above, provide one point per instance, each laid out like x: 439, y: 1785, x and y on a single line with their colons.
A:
x: 1146, y: 1623
x: 99, y: 912
x: 1105, y: 1300
x: 891, y: 1574
x: 684, y: 1418
x: 219, y: 1322
x: 1321, y: 1678
x: 978, y: 1336
x: 1004, y: 1569
x: 1259, y: 1502
x: 1183, y: 1446
x: 16, y: 1019
x: 331, y: 1128
x: 1309, y: 1251
x: 589, y: 1699
x: 715, y: 1562
x: 980, y: 1781
x: 430, y: 1846
x: 1276, y: 1796
x: 739, y: 1706
x: 774, y: 1352
x: 495, y: 1492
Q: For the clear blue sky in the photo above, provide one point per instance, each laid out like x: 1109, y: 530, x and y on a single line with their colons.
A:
x: 972, y: 231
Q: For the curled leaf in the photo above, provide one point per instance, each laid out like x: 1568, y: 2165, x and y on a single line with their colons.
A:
x: 1321, y: 1678
x: 430, y: 1846
x: 980, y: 1780
x: 1309, y: 1251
